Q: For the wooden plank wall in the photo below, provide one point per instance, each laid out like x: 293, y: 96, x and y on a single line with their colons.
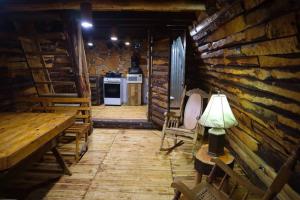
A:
x: 160, y: 80
x: 251, y: 51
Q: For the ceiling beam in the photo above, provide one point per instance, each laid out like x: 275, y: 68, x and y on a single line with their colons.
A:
x: 110, y: 5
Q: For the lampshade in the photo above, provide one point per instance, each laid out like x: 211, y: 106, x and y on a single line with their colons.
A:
x: 218, y: 113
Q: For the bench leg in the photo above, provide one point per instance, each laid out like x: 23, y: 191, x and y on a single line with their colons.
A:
x: 61, y: 161
x: 77, y: 147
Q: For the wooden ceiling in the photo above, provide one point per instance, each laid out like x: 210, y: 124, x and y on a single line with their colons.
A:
x: 105, y: 5
x: 136, y: 24
x: 130, y: 18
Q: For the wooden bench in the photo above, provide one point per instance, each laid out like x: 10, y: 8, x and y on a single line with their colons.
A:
x: 81, y: 106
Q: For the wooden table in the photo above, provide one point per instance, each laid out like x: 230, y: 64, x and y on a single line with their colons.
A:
x: 22, y: 135
x: 203, y: 164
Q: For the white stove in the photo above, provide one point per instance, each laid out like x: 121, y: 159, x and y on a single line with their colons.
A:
x: 112, y: 90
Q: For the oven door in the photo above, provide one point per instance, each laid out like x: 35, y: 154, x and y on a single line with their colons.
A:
x: 112, y: 90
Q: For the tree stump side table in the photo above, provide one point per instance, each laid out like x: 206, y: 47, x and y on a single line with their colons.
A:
x: 203, y: 164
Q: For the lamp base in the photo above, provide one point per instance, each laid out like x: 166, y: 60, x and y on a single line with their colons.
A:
x: 216, y: 141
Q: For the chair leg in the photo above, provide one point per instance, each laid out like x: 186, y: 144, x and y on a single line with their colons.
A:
x: 177, y: 195
x: 162, y: 140
x: 194, y: 142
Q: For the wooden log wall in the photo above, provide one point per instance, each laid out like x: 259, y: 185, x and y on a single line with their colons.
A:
x: 160, y: 80
x: 250, y: 50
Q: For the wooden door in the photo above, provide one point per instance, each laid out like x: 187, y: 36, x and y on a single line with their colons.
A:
x: 159, y: 99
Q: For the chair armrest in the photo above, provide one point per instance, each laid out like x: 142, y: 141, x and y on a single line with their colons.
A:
x: 171, y: 114
x: 239, y: 179
x: 181, y: 187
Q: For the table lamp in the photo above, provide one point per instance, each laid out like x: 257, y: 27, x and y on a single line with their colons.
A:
x: 217, y: 116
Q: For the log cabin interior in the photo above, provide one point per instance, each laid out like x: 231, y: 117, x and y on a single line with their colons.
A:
x: 150, y: 100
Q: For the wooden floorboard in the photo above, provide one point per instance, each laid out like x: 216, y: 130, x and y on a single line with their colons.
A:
x: 120, y: 112
x: 120, y: 164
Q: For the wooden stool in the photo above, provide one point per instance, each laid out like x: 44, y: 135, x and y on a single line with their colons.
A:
x: 203, y: 164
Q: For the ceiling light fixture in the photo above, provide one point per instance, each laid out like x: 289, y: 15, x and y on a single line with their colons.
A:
x: 127, y: 43
x: 114, y: 38
x: 86, y: 15
x: 86, y: 25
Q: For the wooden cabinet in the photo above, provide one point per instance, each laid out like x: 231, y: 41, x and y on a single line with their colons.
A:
x: 134, y: 94
x: 96, y: 84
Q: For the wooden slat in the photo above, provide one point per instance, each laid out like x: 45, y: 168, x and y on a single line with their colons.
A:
x: 271, y: 47
x: 257, y: 73
x: 210, y: 24
x: 269, y: 88
x: 250, y: 4
x: 270, y: 30
x: 61, y: 108
x: 167, y: 6
x: 272, y: 61
x: 55, y: 100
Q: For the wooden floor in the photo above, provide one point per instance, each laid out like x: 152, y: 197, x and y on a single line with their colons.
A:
x: 119, y: 112
x: 120, y: 164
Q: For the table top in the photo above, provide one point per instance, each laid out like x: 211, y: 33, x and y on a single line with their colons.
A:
x: 203, y: 156
x: 21, y: 134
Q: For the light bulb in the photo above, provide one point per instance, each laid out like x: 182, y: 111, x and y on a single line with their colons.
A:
x: 86, y: 24
x: 114, y: 38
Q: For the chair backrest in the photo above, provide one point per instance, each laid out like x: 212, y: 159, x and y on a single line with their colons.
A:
x: 283, y: 176
x: 285, y: 173
x: 62, y: 104
x: 182, y: 102
x: 192, y: 111
x: 194, y: 107
x: 236, y: 179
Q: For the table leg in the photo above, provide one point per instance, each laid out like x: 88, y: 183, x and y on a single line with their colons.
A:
x: 198, y: 178
x: 177, y: 195
x: 61, y: 161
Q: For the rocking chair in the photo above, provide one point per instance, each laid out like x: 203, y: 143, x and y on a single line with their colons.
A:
x: 210, y: 190
x: 189, y: 129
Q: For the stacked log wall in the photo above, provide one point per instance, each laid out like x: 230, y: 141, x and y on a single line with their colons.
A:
x: 250, y: 51
x: 160, y: 80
